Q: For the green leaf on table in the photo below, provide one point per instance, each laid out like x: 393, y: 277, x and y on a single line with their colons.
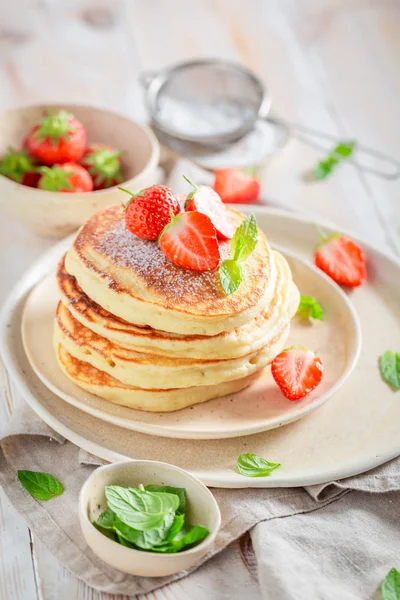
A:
x: 230, y: 275
x: 244, y: 239
x: 324, y: 167
x: 309, y: 308
x: 145, y: 540
x: 390, y: 587
x: 140, y: 509
x: 251, y: 465
x: 186, y: 537
x: 180, y: 492
x: 389, y: 364
x: 41, y: 486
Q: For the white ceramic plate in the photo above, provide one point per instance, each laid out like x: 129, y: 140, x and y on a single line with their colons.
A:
x: 258, y: 408
x: 353, y: 432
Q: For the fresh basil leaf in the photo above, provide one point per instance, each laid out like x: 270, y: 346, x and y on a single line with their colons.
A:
x: 176, y: 526
x: 188, y: 536
x: 145, y: 540
x: 309, y: 308
x: 389, y: 363
x: 140, y: 509
x: 106, y: 519
x: 390, y: 587
x: 180, y: 492
x: 251, y: 465
x: 244, y: 239
x: 123, y: 541
x: 41, y: 486
x: 230, y: 276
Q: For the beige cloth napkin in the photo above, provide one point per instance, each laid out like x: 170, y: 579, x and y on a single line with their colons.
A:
x: 306, y: 545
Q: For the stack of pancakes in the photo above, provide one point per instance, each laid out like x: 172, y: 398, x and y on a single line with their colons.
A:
x: 137, y: 330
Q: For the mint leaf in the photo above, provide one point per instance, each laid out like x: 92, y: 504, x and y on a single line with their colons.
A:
x: 244, y: 239
x: 391, y: 586
x: 187, y: 536
x: 41, y: 486
x: 140, y: 509
x: 251, y: 465
x: 230, y: 275
x: 180, y: 492
x: 389, y: 364
x: 309, y: 308
x: 145, y: 540
x: 325, y: 166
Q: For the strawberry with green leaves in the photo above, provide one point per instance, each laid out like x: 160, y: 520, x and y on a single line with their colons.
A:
x: 297, y: 371
x: 205, y: 200
x: 104, y: 165
x: 20, y: 167
x: 68, y: 177
x: 342, y: 259
x: 236, y: 186
x: 57, y: 139
x: 150, y: 210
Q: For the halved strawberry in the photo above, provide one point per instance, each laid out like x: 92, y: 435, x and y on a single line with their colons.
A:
x: 205, y: 200
x: 297, y: 371
x: 149, y: 211
x: 190, y: 241
x: 235, y: 186
x: 342, y: 259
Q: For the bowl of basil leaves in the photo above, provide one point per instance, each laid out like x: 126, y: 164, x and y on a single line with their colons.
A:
x: 147, y: 518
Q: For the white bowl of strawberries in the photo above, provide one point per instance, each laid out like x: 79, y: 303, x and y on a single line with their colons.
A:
x: 61, y: 164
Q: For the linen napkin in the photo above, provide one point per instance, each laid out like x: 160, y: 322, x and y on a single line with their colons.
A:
x: 331, y: 541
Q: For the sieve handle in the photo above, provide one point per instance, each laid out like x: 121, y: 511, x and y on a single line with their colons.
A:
x: 310, y: 137
x: 146, y: 77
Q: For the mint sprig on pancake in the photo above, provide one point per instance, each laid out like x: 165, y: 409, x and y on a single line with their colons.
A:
x: 243, y: 243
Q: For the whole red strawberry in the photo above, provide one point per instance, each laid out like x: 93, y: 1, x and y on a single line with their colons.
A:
x: 104, y: 165
x: 205, y: 200
x: 342, y: 259
x: 297, y: 371
x: 149, y: 211
x: 68, y: 177
x: 20, y: 167
x: 57, y: 139
x: 236, y: 186
x: 190, y: 241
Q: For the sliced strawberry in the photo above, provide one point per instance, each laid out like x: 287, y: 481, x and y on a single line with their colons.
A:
x: 205, y: 200
x: 190, y: 241
x: 297, y: 371
x: 342, y: 259
x: 235, y: 186
x: 149, y: 211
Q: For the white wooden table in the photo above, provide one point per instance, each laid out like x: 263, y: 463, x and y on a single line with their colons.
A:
x: 331, y: 64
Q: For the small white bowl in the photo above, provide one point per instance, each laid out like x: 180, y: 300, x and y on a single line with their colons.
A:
x: 57, y: 214
x: 202, y: 509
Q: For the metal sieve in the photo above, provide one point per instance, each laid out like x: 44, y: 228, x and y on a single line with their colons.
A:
x: 211, y: 104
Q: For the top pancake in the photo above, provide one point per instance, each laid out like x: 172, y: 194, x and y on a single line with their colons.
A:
x: 132, y: 279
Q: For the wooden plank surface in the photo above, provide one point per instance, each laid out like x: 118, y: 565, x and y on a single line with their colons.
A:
x: 329, y: 64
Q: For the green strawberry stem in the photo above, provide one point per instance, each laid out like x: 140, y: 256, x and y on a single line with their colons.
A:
x: 194, y: 190
x: 323, y: 236
x: 56, y: 126
x: 54, y: 179
x: 15, y: 164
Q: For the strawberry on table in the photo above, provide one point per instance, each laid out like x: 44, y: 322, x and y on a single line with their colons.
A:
x: 20, y: 167
x: 190, y: 241
x: 342, y: 259
x: 68, y: 177
x: 104, y: 165
x: 236, y: 186
x: 57, y: 139
x: 205, y: 200
x: 149, y: 211
x: 297, y: 371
